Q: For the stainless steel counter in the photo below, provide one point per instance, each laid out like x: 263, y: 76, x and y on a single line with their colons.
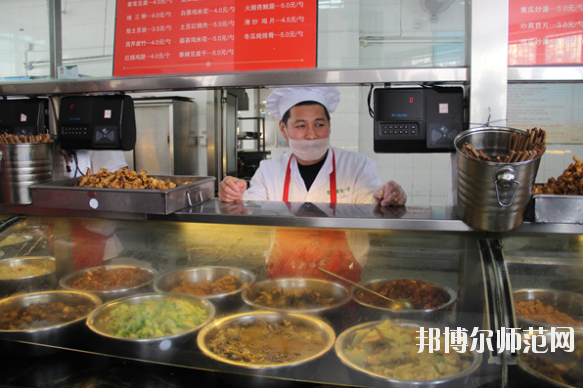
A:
x: 353, y: 216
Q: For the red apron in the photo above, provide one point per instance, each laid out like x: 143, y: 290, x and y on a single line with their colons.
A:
x: 332, y: 180
x: 300, y: 252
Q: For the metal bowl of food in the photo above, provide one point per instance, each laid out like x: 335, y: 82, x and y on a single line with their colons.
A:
x: 220, y: 285
x: 544, y: 307
x: 151, y: 321
x: 386, y: 353
x: 429, y: 300
x: 298, y: 295
x: 47, y: 317
x: 27, y: 274
x: 557, y: 368
x: 266, y: 339
x: 110, y: 281
x: 548, y: 361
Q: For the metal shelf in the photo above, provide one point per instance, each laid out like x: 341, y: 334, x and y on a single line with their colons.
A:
x: 241, y: 79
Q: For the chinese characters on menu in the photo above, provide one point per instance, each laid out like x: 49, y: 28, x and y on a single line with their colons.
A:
x: 208, y: 36
x: 545, y: 32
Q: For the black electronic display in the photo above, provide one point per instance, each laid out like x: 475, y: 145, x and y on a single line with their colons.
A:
x: 418, y: 119
x: 27, y: 116
x: 97, y: 122
x: 399, y: 104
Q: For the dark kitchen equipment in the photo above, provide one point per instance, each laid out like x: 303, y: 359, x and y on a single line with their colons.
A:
x: 97, y: 122
x: 27, y: 117
x: 422, y: 119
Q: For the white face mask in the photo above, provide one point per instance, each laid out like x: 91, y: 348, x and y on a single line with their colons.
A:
x: 309, y: 150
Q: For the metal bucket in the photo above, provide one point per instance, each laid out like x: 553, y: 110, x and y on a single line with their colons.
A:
x: 22, y: 165
x: 492, y: 196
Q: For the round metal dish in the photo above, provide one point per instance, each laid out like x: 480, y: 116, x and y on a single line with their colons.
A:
x: 570, y: 303
x: 249, y: 320
x: 27, y: 274
x: 548, y: 367
x: 67, y: 281
x: 303, y: 295
x: 377, y: 311
x: 47, y: 331
x: 96, y: 322
x: 347, y: 336
x: 168, y: 281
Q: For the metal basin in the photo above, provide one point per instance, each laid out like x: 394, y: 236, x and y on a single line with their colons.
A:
x: 115, y: 321
x: 297, y: 295
x: 376, y: 309
x: 110, y: 290
x: 208, y: 275
x: 210, y: 339
x: 402, y: 362
x: 562, y: 302
x: 27, y: 274
x: 55, y: 330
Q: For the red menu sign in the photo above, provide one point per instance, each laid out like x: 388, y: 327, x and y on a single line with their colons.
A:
x: 208, y: 36
x: 545, y: 32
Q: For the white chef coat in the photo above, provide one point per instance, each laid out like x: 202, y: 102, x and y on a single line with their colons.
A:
x: 356, y: 180
x: 111, y: 160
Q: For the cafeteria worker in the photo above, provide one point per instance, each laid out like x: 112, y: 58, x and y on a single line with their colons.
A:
x: 313, y: 172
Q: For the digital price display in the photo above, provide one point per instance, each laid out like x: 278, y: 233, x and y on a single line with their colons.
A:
x: 399, y: 104
x: 543, y: 32
x: 209, y: 36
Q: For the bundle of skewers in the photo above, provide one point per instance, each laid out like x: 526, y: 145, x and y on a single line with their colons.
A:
x: 521, y: 147
x: 8, y: 138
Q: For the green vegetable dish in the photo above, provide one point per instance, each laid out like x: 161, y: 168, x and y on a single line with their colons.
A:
x: 391, y: 350
x: 153, y: 318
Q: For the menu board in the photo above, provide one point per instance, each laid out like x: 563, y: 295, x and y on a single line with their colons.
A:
x: 209, y: 36
x: 545, y: 32
x: 552, y: 107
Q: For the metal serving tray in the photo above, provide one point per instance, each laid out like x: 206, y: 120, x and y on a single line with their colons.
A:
x: 558, y: 209
x: 65, y: 195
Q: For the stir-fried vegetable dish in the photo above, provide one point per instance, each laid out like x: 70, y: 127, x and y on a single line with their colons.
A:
x: 392, y: 350
x: 152, y: 318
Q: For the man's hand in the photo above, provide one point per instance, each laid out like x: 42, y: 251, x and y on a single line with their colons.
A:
x: 390, y: 194
x: 231, y: 189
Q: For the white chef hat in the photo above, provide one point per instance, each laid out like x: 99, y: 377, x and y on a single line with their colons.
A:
x: 283, y: 99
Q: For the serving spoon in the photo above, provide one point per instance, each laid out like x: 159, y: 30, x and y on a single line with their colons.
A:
x: 396, y: 304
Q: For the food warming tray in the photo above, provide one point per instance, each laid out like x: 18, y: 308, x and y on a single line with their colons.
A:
x: 554, y: 208
x: 65, y: 195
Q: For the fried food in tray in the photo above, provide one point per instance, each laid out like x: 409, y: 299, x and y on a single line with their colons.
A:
x: 123, y: 179
x: 570, y: 182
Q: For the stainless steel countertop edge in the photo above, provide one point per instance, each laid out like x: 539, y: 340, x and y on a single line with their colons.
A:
x: 344, y: 216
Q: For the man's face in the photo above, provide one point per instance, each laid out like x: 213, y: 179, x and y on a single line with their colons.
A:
x: 306, y: 122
